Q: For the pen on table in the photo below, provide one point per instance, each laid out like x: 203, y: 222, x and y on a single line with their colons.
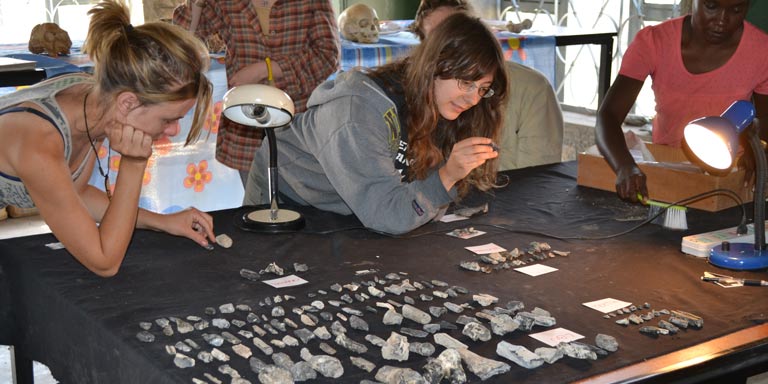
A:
x: 750, y: 282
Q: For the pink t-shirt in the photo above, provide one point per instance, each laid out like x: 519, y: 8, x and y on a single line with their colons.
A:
x: 682, y: 96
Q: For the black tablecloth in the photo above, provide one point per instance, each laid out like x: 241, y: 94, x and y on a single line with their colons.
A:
x: 84, y: 327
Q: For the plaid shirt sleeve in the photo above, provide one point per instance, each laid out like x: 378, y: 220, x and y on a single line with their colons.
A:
x: 303, y: 40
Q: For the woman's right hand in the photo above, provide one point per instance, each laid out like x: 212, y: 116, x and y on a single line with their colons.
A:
x: 130, y: 142
x: 465, y: 156
x: 630, y: 181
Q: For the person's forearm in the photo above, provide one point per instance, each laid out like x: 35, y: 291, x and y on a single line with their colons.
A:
x: 197, y: 10
x: 610, y: 141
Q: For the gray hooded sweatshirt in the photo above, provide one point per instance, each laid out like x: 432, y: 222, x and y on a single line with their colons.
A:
x: 340, y: 154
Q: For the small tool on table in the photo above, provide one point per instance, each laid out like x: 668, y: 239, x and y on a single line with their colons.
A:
x: 718, y: 278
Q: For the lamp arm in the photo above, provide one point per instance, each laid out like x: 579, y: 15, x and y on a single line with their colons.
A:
x: 272, y: 172
x: 759, y: 199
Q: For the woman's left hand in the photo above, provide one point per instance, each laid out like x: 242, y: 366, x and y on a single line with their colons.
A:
x: 465, y: 156
x: 193, y: 224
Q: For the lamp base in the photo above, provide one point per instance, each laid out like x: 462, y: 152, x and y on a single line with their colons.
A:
x: 739, y: 256
x: 260, y: 220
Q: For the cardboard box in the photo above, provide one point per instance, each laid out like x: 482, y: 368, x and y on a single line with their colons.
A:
x: 668, y: 181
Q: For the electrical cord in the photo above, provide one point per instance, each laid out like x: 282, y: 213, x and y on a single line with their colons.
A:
x: 741, y: 229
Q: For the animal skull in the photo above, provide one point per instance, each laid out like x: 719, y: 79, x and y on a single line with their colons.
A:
x: 359, y: 23
x: 49, y: 38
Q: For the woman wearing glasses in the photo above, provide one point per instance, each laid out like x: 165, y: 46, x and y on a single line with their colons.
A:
x: 396, y: 144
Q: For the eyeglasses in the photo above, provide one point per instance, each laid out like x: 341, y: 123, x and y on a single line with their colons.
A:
x: 470, y: 86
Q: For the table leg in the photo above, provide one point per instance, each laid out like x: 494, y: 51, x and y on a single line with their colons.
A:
x: 604, y: 76
x: 22, y: 368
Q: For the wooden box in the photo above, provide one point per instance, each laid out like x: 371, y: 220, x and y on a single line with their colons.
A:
x: 669, y: 180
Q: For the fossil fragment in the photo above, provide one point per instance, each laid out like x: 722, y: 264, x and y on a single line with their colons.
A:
x: 322, y: 333
x: 447, y: 341
x: 375, y: 340
x: 213, y: 339
x: 606, y: 342
x: 485, y: 299
x: 224, y: 241
x: 205, y: 357
x: 455, y: 308
x: 503, y: 324
x: 274, y: 269
x: 395, y: 348
x: 262, y: 346
x: 476, y: 331
x: 242, y: 350
x: 481, y: 366
x: 328, y: 366
x: 305, y: 335
x: 277, y: 343
x: 362, y: 363
x: 679, y: 321
x: 414, y: 332
x: 423, y: 349
x: 230, y: 338
x: 549, y: 355
x: 519, y: 355
x: 244, y: 333
x: 274, y: 374
x: 693, y: 320
x: 356, y: 322
x: 391, y: 317
x: 145, y: 336
x: 259, y: 331
x: 393, y: 375
x: 183, y: 361
x: 302, y: 371
x: 577, y: 351
x: 248, y: 274
x: 412, y: 313
x: 219, y: 355
x: 290, y: 341
x: 375, y: 292
x: 327, y: 348
x: 431, y: 327
x: 351, y: 345
x: 651, y: 330
x: 471, y: 211
x: 668, y: 326
x: 464, y: 319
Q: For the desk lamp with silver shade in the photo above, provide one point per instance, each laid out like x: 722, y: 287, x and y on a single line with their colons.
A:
x: 264, y: 106
x: 712, y: 142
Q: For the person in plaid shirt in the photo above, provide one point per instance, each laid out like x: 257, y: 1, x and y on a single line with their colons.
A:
x: 298, y: 38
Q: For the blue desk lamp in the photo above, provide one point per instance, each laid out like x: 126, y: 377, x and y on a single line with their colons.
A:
x: 712, y: 142
x: 264, y: 106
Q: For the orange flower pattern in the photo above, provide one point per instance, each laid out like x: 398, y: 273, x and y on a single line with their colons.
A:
x: 198, y: 176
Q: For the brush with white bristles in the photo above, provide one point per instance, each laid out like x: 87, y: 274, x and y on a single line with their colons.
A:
x: 667, y: 215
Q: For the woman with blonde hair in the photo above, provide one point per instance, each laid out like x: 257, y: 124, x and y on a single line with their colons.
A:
x: 397, y: 144
x: 146, y: 78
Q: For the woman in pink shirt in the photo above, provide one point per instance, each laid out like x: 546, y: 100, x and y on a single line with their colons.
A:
x: 699, y: 64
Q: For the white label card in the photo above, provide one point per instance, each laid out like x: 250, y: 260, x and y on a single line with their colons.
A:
x: 536, y: 269
x: 286, y: 281
x: 607, y: 305
x: 485, y: 249
x: 553, y: 337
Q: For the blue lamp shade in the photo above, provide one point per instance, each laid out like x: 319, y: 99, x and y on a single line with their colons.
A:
x: 714, y: 141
